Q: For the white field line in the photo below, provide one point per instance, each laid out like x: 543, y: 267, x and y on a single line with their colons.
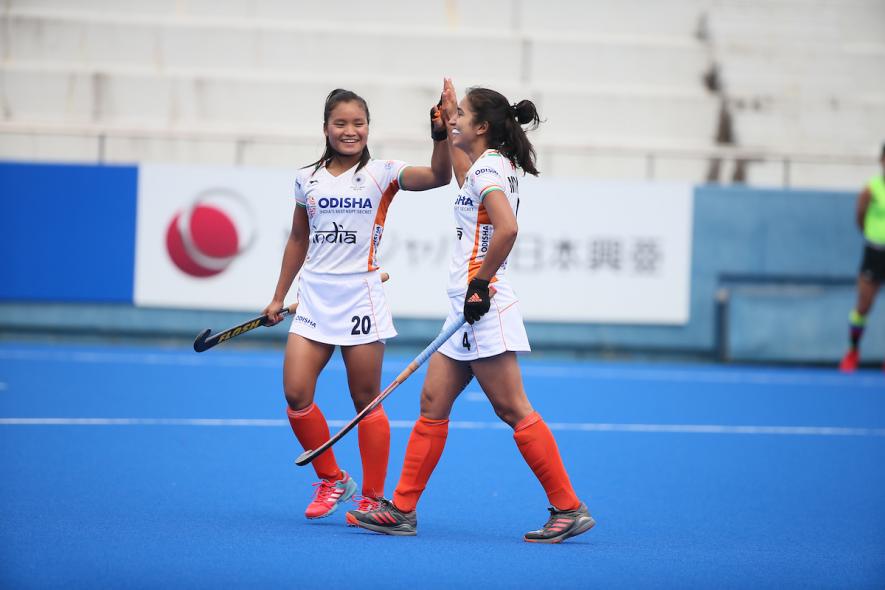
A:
x: 466, y: 425
x: 702, y: 374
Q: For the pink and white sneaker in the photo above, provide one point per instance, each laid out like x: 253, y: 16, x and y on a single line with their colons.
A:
x: 329, y: 495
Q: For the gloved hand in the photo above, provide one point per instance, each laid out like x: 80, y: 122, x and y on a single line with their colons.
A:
x: 437, y: 125
x: 477, y: 301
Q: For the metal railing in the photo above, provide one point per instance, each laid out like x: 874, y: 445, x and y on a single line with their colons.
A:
x: 649, y: 158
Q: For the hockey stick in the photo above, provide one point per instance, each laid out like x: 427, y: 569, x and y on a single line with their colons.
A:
x: 309, y: 455
x: 204, y: 342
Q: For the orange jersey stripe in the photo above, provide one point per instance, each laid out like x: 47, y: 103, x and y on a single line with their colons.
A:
x: 378, y: 225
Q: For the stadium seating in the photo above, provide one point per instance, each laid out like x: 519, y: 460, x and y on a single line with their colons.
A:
x: 626, y: 89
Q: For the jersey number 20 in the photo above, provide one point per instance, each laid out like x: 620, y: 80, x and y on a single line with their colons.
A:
x: 361, y: 325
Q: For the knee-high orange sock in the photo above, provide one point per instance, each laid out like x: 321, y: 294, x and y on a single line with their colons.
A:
x: 374, y: 438
x: 309, y: 425
x: 425, y: 447
x: 538, y: 448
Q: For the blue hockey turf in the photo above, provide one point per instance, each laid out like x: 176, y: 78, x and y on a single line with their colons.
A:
x: 141, y: 467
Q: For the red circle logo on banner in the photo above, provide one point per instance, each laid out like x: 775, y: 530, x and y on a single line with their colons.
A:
x: 205, y: 238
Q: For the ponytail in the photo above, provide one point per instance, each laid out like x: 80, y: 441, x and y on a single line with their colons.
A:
x: 526, y: 112
x: 336, y: 97
x: 506, y: 133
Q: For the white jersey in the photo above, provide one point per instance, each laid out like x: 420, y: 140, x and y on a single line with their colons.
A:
x: 491, y: 171
x: 346, y: 214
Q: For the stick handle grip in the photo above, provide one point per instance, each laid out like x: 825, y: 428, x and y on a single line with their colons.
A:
x: 288, y: 310
x: 446, y: 333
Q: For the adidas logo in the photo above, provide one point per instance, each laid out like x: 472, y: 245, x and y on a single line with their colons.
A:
x: 475, y: 298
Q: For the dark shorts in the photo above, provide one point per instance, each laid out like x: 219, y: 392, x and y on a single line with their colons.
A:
x: 873, y: 266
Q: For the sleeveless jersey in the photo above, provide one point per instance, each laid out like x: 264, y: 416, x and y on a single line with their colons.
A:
x: 346, y: 214
x: 473, y: 229
x: 874, y: 221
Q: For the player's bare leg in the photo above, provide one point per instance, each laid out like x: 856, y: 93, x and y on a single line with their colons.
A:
x: 866, y: 294
x: 304, y: 359
x: 363, y: 364
x: 446, y: 379
x: 501, y: 379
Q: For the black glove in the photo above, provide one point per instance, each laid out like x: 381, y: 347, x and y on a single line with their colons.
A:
x: 435, y: 113
x: 477, y: 301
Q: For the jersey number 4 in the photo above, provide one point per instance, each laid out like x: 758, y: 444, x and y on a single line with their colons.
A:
x: 361, y: 325
x: 465, y: 342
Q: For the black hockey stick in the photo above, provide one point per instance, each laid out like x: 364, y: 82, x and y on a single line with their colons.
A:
x: 204, y: 341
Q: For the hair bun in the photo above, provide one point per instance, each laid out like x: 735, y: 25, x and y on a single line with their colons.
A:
x: 526, y: 112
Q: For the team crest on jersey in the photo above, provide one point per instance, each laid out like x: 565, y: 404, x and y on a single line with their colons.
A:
x: 311, y: 206
x: 359, y: 182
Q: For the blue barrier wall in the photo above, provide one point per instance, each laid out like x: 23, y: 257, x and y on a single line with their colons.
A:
x: 788, y: 261
x: 786, y: 258
x: 745, y: 237
x: 67, y: 232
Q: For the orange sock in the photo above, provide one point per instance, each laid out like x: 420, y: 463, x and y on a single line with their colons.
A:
x: 538, y: 448
x: 309, y: 425
x: 425, y: 447
x: 374, y: 438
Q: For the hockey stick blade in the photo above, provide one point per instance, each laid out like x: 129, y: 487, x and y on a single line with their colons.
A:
x: 204, y: 341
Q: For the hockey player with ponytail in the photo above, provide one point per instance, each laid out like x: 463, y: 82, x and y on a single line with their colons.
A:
x: 488, y: 144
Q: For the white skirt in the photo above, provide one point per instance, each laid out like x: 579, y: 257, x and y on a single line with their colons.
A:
x: 342, y: 310
x: 499, y: 330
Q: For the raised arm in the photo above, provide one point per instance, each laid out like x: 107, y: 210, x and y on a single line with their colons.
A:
x: 439, y: 173
x: 460, y: 161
